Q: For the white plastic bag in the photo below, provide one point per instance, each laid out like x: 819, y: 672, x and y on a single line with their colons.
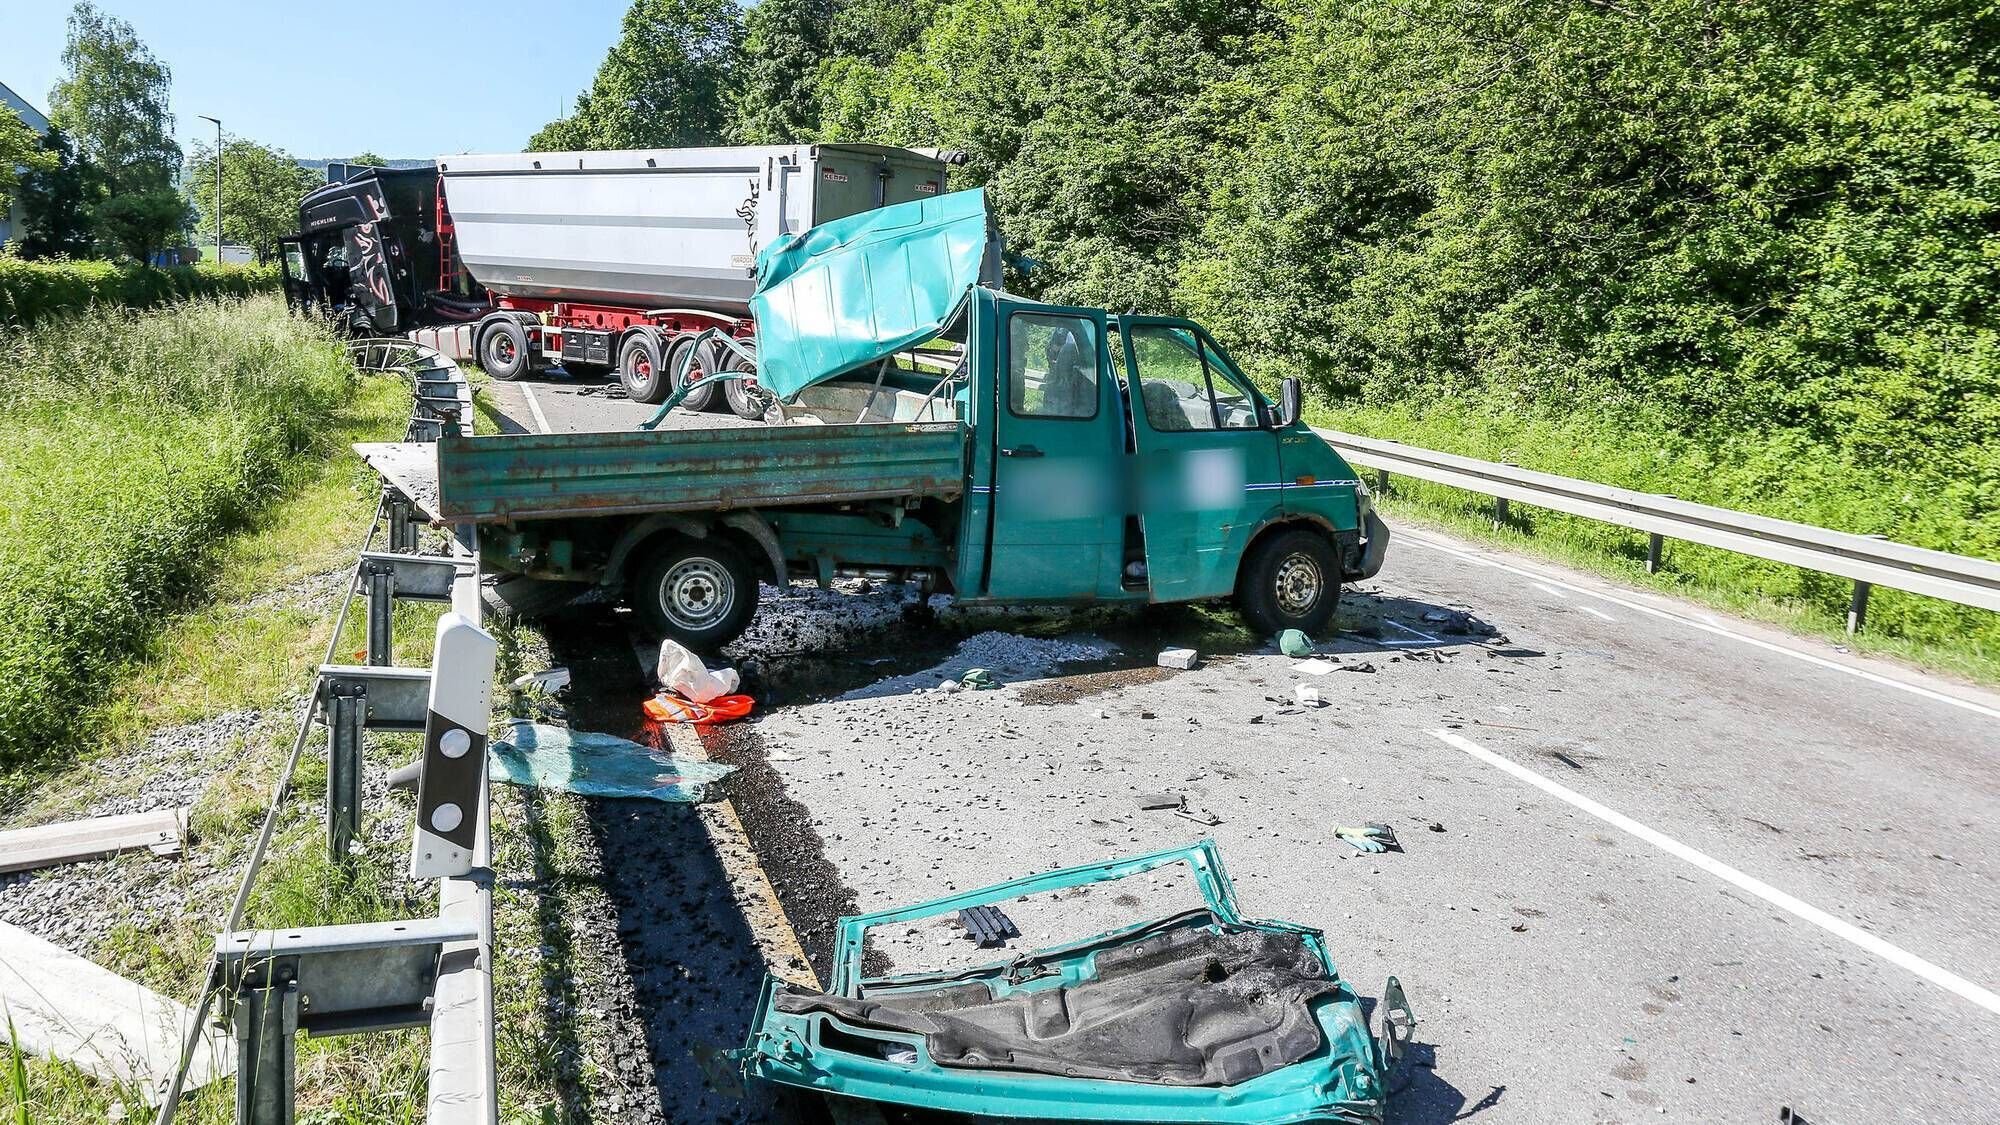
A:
x: 683, y: 673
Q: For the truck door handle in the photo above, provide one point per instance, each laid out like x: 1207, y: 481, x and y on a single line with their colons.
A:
x: 1021, y: 451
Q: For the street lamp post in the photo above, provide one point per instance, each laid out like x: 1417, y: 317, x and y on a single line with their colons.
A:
x: 218, y: 184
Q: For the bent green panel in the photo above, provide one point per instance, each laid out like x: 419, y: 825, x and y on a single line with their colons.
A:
x: 848, y: 292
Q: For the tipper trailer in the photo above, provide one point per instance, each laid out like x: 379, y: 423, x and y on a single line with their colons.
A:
x: 930, y: 427
x: 595, y: 260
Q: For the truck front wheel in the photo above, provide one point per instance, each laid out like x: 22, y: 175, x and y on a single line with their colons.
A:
x: 1290, y: 580
x: 503, y: 351
x: 701, y: 592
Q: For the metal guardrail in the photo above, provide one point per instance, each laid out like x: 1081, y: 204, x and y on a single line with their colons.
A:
x: 379, y: 976
x: 1868, y: 560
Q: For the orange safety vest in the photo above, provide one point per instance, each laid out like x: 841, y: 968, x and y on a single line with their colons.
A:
x: 670, y: 708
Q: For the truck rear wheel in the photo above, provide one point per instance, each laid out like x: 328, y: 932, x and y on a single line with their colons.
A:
x: 503, y: 350
x: 639, y: 368
x: 701, y: 592
x: 746, y: 398
x: 703, y: 394
x: 1290, y: 580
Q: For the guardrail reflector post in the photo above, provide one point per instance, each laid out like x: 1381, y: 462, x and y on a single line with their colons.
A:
x: 453, y: 780
x: 1857, y: 608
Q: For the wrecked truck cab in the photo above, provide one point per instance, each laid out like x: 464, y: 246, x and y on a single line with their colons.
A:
x: 1201, y: 1015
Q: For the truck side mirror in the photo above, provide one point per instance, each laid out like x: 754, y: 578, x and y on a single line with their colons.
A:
x: 1289, y: 403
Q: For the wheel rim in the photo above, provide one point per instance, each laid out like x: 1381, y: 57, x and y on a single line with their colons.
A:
x: 1299, y: 584
x: 639, y: 372
x: 696, y: 593
x: 503, y: 349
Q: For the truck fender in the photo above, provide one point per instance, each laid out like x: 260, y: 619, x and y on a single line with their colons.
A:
x: 1281, y: 521
x: 758, y: 528
x: 614, y: 563
x: 749, y: 523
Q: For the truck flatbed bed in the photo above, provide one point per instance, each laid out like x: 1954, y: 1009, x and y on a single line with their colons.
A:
x: 510, y: 477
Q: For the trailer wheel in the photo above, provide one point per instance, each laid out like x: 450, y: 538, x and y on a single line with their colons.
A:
x: 746, y: 398
x: 503, y: 350
x: 1290, y: 580
x: 703, y: 394
x: 701, y: 592
x: 639, y: 368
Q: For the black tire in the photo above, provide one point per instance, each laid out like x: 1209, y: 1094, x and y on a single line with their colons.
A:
x: 701, y: 592
x: 1290, y: 580
x: 503, y: 350
x: 529, y: 598
x: 746, y: 398
x: 703, y: 395
x: 639, y: 368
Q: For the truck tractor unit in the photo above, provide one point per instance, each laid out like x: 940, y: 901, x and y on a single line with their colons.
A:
x: 594, y: 260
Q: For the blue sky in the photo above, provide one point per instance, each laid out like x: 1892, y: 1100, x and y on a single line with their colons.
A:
x: 332, y: 78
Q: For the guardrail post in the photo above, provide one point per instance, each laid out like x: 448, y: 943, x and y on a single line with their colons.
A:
x: 266, y: 1019
x: 381, y: 585
x: 1382, y: 481
x: 1857, y: 608
x: 1653, y: 544
x: 1499, y: 512
x: 347, y: 715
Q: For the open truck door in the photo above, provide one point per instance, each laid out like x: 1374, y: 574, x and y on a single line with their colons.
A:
x: 1206, y: 465
x: 300, y: 295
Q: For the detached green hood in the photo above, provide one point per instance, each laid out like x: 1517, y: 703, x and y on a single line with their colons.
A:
x: 849, y: 292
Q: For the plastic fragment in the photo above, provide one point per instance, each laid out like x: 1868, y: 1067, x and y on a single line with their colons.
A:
x: 1292, y: 642
x: 536, y: 755
x: 1182, y: 658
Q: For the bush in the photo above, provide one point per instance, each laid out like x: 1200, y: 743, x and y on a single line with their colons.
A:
x: 133, y: 443
x: 33, y: 291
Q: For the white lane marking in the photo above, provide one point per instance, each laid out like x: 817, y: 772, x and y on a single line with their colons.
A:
x: 1548, y: 589
x: 1709, y: 625
x: 1848, y: 931
x: 1596, y: 612
x: 1422, y: 637
x: 535, y: 407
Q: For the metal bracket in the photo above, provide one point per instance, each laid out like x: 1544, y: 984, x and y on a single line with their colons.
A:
x: 402, y: 523
x: 398, y: 698
x: 386, y: 577
x: 354, y: 699
x: 323, y: 980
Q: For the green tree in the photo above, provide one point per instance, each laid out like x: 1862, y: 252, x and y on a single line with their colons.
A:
x: 20, y: 151
x: 368, y: 160
x: 784, y: 43
x: 665, y: 83
x: 261, y: 189
x: 113, y: 104
x: 57, y: 201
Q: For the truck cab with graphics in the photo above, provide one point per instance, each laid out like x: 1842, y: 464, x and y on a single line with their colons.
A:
x: 929, y: 426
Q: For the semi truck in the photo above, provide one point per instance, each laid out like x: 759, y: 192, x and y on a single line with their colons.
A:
x: 594, y: 260
x: 928, y: 426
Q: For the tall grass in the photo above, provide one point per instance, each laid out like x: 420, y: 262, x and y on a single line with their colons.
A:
x: 129, y: 445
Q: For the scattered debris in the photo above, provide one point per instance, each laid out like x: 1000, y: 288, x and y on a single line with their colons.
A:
x: 682, y: 673
x: 666, y: 707
x: 988, y: 926
x: 1520, y: 927
x: 599, y: 765
x: 1294, y: 643
x: 1309, y: 696
x: 1362, y: 666
x: 551, y: 680
x: 23, y: 849
x: 1370, y: 837
x: 61, y: 1006
x: 978, y: 679
x: 1435, y: 826
x: 1151, y: 801
x: 1181, y: 658
x: 1198, y: 814
x: 1316, y: 667
x: 1125, y: 1040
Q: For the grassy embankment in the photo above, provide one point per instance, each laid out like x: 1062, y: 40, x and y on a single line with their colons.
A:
x: 1763, y: 473
x: 31, y: 292
x: 244, y: 635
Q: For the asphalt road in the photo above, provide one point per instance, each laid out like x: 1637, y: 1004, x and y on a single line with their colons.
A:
x: 1657, y: 864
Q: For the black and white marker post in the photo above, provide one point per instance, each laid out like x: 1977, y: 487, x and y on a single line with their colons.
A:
x: 453, y: 781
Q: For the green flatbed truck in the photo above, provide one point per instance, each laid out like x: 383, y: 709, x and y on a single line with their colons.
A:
x: 1003, y: 450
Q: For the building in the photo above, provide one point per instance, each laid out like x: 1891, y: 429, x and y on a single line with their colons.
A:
x: 10, y: 222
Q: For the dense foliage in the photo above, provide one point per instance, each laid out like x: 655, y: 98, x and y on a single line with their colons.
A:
x: 128, y: 444
x: 1753, y: 246
x: 664, y: 84
x: 34, y: 291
